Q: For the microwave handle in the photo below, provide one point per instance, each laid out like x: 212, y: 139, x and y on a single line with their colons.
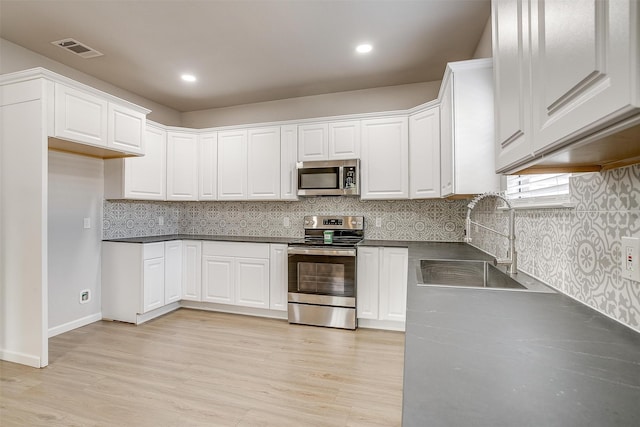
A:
x: 341, y: 178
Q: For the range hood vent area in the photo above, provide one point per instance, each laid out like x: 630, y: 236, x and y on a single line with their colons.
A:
x: 77, y: 48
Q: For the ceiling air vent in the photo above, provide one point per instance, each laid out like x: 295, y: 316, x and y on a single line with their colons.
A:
x: 78, y: 48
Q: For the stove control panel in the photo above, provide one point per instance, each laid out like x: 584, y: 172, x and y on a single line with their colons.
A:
x: 334, y: 222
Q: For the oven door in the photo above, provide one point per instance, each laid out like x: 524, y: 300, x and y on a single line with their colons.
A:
x: 322, y: 286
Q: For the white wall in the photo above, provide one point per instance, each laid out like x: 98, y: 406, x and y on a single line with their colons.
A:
x: 16, y: 58
x: 483, y: 50
x: 75, y: 192
x: 386, y: 98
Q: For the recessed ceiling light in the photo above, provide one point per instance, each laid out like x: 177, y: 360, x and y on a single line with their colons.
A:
x: 188, y: 77
x: 364, y: 48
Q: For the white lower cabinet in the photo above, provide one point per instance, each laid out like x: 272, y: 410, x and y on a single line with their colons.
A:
x: 217, y: 279
x: 278, y: 277
x: 382, y: 286
x: 172, y: 271
x: 134, y: 277
x: 153, y: 279
x: 191, y: 270
x: 236, y: 273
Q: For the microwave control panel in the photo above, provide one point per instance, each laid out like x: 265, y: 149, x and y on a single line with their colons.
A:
x: 350, y: 179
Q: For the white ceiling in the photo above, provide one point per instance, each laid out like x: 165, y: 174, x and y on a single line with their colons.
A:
x: 250, y: 51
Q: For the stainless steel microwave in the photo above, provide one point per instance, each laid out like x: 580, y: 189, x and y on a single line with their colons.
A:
x: 329, y: 178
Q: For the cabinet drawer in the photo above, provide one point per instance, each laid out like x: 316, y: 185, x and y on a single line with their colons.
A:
x: 153, y: 250
x: 236, y: 249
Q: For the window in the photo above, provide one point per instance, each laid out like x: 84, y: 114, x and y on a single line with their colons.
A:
x: 539, y: 189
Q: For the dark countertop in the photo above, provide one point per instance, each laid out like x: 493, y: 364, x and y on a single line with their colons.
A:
x: 481, y: 357
x: 169, y: 237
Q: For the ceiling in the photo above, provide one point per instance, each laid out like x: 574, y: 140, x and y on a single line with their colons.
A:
x: 250, y: 51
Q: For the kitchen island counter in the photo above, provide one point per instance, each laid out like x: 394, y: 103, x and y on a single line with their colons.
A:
x: 487, y: 357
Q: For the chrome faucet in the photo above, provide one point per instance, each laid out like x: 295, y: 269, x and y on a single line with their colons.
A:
x: 512, y: 257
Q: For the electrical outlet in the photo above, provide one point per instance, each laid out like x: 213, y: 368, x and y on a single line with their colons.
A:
x: 286, y: 222
x: 160, y: 220
x: 85, y: 296
x: 631, y: 258
x: 378, y: 222
x: 87, y: 223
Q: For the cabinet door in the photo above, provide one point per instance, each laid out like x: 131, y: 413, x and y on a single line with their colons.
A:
x: 191, y: 270
x: 278, y: 277
x: 208, y: 168
x: 446, y: 139
x: 153, y: 289
x: 424, y: 154
x: 182, y: 166
x: 232, y: 165
x: 79, y: 116
x: 145, y: 177
x: 263, y: 164
x: 218, y: 276
x: 344, y: 140
x: 583, y: 71
x: 126, y: 129
x: 252, y: 282
x: 511, y: 78
x: 393, y: 283
x: 312, y: 142
x: 172, y: 271
x: 385, y: 158
x: 288, y: 159
x: 368, y: 273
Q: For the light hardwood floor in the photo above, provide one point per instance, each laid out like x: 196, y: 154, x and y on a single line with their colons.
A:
x: 192, y: 368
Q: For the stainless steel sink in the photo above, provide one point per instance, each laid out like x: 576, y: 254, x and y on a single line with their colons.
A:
x: 476, y: 274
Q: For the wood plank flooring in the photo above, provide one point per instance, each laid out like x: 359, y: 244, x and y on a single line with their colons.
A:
x: 197, y: 368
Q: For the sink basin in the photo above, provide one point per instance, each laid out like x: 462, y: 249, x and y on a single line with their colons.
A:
x: 475, y: 274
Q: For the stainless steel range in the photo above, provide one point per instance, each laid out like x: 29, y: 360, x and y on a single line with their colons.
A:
x: 322, y: 272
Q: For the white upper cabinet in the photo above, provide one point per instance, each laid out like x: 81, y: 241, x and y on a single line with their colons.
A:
x: 263, y: 163
x: 232, y: 165
x: 467, y: 157
x: 208, y: 167
x: 329, y: 141
x: 126, y: 129
x: 80, y: 116
x: 288, y: 159
x: 182, y: 165
x: 313, y: 142
x: 511, y: 76
x: 140, y: 178
x: 87, y: 118
x: 424, y: 154
x: 384, y: 164
x: 567, y: 78
x: 344, y: 140
x: 584, y: 66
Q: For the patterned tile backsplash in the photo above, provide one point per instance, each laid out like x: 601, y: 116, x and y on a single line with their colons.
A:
x: 578, y: 250
x: 429, y: 220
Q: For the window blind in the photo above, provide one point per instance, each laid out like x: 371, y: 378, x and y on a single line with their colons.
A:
x: 538, y: 185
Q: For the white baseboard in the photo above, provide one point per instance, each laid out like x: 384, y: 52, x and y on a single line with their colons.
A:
x: 74, y: 324
x: 141, y: 318
x: 21, y: 358
x: 234, y: 309
x: 388, y: 325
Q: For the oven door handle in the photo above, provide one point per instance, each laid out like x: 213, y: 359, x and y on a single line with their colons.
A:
x: 317, y: 251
